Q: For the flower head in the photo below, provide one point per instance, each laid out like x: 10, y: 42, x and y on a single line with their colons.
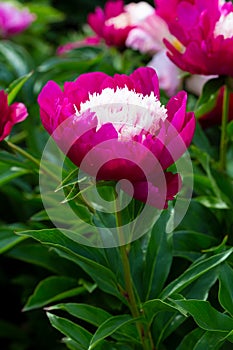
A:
x: 114, y: 22
x: 10, y: 115
x: 13, y: 20
x: 204, y: 31
x: 115, y: 128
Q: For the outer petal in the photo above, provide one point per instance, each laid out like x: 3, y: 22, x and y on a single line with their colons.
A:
x: 10, y: 115
x: 157, y: 194
x: 96, y: 21
x: 18, y: 112
x: 146, y: 81
x: 48, y: 100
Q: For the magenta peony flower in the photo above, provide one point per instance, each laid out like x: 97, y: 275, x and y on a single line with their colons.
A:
x: 204, y: 29
x: 13, y: 20
x: 116, y: 20
x: 10, y: 115
x: 115, y: 128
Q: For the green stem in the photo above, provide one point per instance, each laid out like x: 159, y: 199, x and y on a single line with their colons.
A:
x: 28, y: 156
x: 129, y: 287
x: 223, y: 141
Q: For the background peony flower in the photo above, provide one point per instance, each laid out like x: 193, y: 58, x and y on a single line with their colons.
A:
x: 13, y: 20
x: 119, y: 122
x: 116, y: 20
x: 148, y: 38
x: 148, y: 35
x: 167, y: 71
x: 10, y: 115
x: 205, y: 32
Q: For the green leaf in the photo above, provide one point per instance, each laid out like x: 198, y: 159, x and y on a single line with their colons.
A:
x: 212, y: 202
x: 152, y: 307
x: 88, y: 313
x: 207, y: 317
x: 16, y: 86
x: 109, y: 327
x: 190, y: 340
x: 52, y: 289
x: 69, y: 64
x: 71, y: 330
x: 7, y: 173
x: 158, y: 258
x: 37, y: 254
x: 45, y: 13
x: 96, y: 316
x: 17, y: 57
x: 199, y: 289
x: 57, y: 239
x: 209, y: 225
x: 8, y: 239
x: 209, y: 95
x: 225, y: 295
x: 195, y: 271
x: 104, y: 277
x: 81, y: 255
x: 209, y: 340
x: 201, y: 140
x: 186, y: 242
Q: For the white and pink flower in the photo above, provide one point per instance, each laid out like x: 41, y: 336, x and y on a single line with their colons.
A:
x: 119, y: 122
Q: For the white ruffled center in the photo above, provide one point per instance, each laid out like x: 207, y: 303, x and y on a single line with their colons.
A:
x: 128, y: 111
x: 224, y: 26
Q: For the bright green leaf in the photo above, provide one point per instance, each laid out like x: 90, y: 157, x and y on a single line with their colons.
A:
x: 71, y: 330
x: 226, y: 287
x: 88, y: 313
x: 206, y: 316
x: 195, y: 271
x: 109, y: 327
x: 16, y: 86
x: 52, y: 289
x: 158, y: 257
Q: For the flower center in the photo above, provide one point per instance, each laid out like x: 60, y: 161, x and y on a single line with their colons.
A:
x: 128, y: 111
x: 119, y: 22
x: 134, y: 14
x: 224, y: 26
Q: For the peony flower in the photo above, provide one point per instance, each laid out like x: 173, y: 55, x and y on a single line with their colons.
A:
x: 13, y: 20
x: 205, y: 32
x: 10, y: 115
x: 115, y: 128
x: 147, y: 37
x: 214, y: 115
x: 116, y: 20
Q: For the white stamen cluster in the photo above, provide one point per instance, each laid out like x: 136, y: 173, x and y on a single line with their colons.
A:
x: 224, y: 26
x: 128, y: 111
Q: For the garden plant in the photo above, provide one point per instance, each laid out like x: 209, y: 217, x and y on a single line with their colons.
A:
x: 116, y: 175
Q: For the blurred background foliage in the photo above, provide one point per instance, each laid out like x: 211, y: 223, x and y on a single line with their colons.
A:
x: 25, y: 262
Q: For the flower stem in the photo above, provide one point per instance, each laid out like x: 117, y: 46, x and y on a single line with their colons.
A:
x: 129, y: 288
x: 223, y: 141
x: 28, y: 156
